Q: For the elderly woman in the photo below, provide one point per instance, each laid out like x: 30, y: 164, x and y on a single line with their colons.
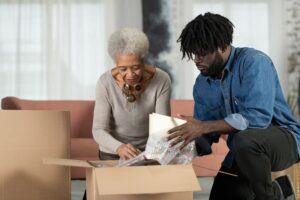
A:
x: 126, y: 95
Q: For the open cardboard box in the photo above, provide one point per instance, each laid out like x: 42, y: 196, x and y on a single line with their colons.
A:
x: 104, y: 181
x: 155, y: 182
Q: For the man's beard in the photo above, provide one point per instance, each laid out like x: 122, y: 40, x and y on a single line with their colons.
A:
x: 216, y: 68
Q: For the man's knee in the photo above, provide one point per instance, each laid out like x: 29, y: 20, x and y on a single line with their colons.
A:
x: 243, y: 144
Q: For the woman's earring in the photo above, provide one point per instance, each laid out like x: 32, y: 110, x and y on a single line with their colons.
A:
x: 137, y: 87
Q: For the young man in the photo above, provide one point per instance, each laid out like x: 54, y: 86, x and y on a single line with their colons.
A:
x: 238, y: 93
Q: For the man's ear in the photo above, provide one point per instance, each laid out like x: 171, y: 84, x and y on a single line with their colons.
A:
x: 220, y: 50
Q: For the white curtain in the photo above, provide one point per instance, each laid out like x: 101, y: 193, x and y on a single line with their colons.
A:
x: 120, y: 14
x: 178, y: 13
x: 56, y: 49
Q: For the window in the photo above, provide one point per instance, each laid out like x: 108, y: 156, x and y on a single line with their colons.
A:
x: 51, y: 49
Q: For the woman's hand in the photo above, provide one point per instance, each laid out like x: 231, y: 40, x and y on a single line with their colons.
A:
x: 127, y: 151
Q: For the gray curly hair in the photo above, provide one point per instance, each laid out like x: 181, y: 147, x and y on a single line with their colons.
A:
x: 128, y: 41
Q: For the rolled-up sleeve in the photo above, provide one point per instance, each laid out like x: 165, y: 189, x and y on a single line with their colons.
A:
x: 237, y: 121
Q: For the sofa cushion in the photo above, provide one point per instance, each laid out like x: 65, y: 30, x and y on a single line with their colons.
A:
x: 82, y: 148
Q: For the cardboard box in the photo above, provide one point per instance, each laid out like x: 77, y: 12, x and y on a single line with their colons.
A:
x: 156, y: 182
x: 26, y: 138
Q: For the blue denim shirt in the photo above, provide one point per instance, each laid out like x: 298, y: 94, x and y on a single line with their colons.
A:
x: 248, y: 96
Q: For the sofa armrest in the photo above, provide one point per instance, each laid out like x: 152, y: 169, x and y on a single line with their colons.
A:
x: 10, y: 103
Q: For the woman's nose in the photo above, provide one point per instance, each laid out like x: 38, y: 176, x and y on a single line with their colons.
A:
x: 130, y: 72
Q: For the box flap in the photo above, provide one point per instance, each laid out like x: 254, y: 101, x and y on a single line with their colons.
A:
x: 80, y: 163
x: 146, y: 179
x: 67, y: 162
x: 27, y: 137
x: 103, y: 163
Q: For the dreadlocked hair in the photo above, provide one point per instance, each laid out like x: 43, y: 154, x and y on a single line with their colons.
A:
x: 205, y: 34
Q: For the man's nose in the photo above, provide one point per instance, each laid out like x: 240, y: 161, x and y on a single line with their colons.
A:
x: 198, y: 59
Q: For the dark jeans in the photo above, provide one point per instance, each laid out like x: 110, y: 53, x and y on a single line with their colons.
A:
x: 256, y: 152
x: 104, y: 156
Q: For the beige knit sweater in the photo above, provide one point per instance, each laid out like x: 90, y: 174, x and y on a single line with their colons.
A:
x: 115, y: 124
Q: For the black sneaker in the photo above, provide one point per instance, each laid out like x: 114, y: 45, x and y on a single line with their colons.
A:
x: 285, y: 186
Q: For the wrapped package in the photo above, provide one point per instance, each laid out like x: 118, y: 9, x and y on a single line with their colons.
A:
x: 158, y: 149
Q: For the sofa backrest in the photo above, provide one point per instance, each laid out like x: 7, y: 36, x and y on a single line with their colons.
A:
x: 81, y: 112
x: 182, y: 106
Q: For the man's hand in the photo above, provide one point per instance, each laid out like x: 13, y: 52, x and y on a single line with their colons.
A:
x: 195, y: 128
x: 127, y: 151
x: 187, y: 132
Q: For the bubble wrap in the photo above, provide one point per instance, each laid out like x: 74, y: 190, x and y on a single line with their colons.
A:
x: 158, y: 148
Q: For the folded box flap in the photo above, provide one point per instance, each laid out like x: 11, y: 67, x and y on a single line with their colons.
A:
x: 67, y: 162
x: 146, y: 179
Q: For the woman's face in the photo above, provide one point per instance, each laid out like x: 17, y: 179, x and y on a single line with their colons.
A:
x: 130, y: 68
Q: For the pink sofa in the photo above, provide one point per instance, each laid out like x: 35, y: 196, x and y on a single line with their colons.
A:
x: 83, y: 146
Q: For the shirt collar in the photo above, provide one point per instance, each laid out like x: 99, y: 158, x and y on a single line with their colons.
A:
x: 229, y: 63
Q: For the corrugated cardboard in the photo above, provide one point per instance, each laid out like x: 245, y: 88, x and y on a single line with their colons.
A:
x: 27, y: 137
x: 135, y: 183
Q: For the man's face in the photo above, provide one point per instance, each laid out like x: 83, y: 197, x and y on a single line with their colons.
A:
x: 210, y: 64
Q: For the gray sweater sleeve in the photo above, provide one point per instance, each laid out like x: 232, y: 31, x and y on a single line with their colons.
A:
x: 102, y: 115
